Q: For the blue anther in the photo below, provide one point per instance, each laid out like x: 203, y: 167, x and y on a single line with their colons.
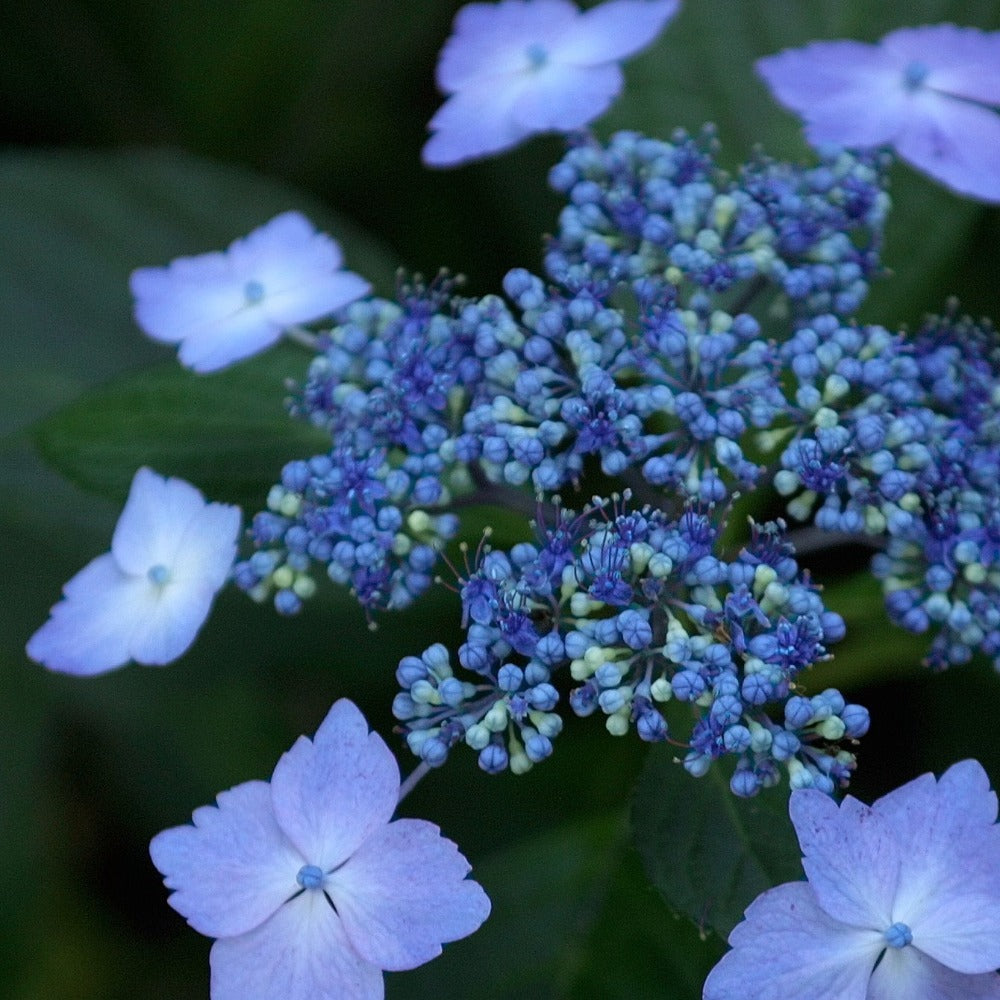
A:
x: 898, y: 935
x: 310, y: 877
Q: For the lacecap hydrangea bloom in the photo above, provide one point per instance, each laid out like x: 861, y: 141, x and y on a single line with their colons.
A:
x: 902, y: 901
x: 309, y: 888
x: 146, y: 599
x: 225, y: 306
x: 520, y: 67
x: 931, y: 93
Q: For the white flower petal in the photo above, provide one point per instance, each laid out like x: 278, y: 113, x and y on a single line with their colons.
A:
x: 787, y: 947
x: 493, y: 39
x: 404, y: 892
x: 333, y: 792
x: 153, y: 521
x: 615, y: 30
x: 563, y: 98
x: 474, y: 123
x: 224, y: 307
x: 301, y: 953
x: 233, y: 868
x: 850, y: 858
x: 906, y: 974
x: 166, y: 619
x: 86, y: 632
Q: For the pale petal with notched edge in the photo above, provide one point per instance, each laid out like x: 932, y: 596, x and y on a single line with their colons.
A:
x: 233, y: 868
x: 86, y: 632
x: 404, y: 892
x: 333, y: 792
x: 300, y: 953
x: 850, y: 858
x: 788, y: 947
x: 906, y: 973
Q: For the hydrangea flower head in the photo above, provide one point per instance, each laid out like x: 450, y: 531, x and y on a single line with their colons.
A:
x: 902, y: 900
x: 225, y: 306
x: 931, y: 92
x: 146, y: 599
x: 519, y: 67
x: 309, y: 888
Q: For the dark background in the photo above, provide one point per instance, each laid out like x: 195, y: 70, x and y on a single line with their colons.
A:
x: 135, y: 133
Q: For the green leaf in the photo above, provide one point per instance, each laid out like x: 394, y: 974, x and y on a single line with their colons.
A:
x: 76, y: 224
x: 708, y: 852
x: 572, y: 919
x: 229, y: 433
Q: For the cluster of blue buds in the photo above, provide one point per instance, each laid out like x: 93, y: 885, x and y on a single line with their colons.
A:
x: 689, y: 341
x: 658, y: 632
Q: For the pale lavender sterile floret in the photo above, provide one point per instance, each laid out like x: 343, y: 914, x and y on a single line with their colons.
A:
x: 225, y: 306
x: 308, y: 886
x: 902, y: 900
x: 932, y: 93
x: 519, y: 67
x: 147, y: 598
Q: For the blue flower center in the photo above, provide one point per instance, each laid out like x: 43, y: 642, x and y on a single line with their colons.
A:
x: 537, y: 55
x: 310, y: 877
x: 898, y: 935
x: 915, y: 74
x: 158, y: 574
x: 253, y: 292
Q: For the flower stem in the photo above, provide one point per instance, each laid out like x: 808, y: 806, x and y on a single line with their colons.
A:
x: 412, y: 779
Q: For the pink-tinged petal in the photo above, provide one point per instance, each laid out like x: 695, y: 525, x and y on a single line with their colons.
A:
x: 313, y: 297
x: 787, y: 947
x: 87, y: 633
x: 962, y: 62
x: 473, y: 123
x: 153, y: 521
x: 404, y: 892
x: 906, y: 974
x: 956, y: 143
x: 233, y: 868
x: 494, y: 39
x: 851, y: 858
x: 333, y: 792
x: 562, y: 98
x: 850, y: 94
x: 301, y: 953
x: 615, y: 30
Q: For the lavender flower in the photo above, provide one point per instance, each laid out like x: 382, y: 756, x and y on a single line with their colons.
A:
x: 146, y: 599
x: 520, y: 67
x: 223, y: 307
x: 309, y: 888
x: 902, y: 900
x: 929, y: 92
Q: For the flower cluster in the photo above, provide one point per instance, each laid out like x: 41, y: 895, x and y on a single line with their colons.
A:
x: 639, y: 610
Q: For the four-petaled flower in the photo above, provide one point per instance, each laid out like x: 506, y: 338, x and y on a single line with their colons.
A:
x: 146, y: 599
x: 929, y: 92
x: 902, y: 901
x: 520, y: 67
x: 309, y: 888
x: 222, y: 307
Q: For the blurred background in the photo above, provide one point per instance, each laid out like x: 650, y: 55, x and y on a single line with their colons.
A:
x: 132, y: 133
